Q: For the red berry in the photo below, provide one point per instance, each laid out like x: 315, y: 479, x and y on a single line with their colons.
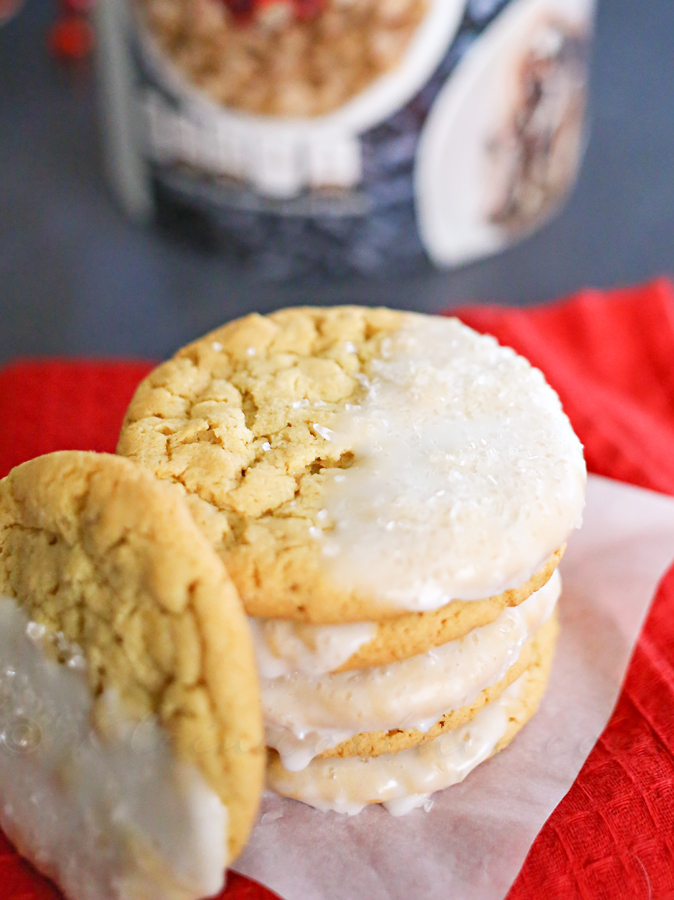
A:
x: 244, y: 10
x: 72, y: 38
x: 241, y: 9
x: 307, y: 9
x: 78, y: 6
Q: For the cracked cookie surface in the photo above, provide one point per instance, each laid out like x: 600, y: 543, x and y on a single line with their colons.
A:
x: 100, y: 553
x: 241, y: 421
x: 238, y: 419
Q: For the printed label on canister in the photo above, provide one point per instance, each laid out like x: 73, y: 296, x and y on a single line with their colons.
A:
x: 365, y: 134
x: 282, y: 155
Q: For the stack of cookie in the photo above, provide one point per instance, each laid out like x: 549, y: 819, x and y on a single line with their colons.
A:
x: 391, y: 494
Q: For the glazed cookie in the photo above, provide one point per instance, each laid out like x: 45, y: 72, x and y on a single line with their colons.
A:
x: 535, y: 651
x: 284, y: 647
x: 129, y: 699
x: 405, y: 780
x: 354, y: 465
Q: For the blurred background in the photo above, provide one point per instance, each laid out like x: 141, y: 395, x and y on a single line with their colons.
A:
x: 77, y: 278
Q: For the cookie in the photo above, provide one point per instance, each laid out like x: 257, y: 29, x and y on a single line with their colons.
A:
x: 354, y: 465
x: 404, y: 781
x: 128, y: 688
x: 538, y: 649
x: 284, y: 647
x: 371, y: 711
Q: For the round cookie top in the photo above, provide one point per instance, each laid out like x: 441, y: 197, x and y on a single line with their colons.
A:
x: 354, y: 464
x: 120, y: 587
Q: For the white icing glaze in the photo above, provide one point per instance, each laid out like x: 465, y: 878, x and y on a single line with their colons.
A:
x: 113, y: 819
x: 305, y: 716
x: 298, y: 748
x: 467, y: 474
x: 284, y: 647
x: 400, y: 781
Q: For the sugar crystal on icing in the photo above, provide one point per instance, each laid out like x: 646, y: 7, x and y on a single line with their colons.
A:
x: 324, y: 432
x: 35, y: 631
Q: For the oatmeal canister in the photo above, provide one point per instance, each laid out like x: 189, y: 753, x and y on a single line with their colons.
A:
x: 346, y: 135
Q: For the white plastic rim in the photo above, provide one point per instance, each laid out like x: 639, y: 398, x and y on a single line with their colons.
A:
x: 451, y: 182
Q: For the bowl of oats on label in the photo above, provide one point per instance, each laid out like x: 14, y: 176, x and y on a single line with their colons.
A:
x: 345, y: 135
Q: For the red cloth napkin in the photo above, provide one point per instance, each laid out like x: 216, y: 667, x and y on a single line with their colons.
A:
x: 611, y: 358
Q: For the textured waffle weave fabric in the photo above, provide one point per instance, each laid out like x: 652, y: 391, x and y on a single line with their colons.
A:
x: 610, y: 356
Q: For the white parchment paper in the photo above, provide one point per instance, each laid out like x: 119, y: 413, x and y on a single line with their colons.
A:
x: 473, y: 842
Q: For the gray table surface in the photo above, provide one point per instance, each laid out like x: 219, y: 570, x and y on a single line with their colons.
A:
x: 77, y: 279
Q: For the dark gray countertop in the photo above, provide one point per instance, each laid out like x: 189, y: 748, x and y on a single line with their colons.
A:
x: 77, y: 279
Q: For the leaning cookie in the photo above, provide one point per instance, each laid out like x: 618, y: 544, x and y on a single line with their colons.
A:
x: 132, y: 760
x: 357, y: 465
